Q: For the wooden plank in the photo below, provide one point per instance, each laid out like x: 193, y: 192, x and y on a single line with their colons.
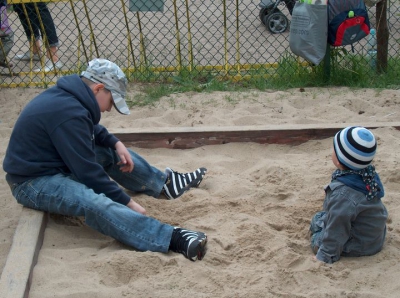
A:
x: 16, y: 277
x: 193, y: 137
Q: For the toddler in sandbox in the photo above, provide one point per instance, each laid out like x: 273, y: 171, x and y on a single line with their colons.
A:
x: 6, y: 35
x: 353, y: 220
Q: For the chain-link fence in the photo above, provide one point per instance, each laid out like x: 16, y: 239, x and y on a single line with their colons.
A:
x: 227, y: 37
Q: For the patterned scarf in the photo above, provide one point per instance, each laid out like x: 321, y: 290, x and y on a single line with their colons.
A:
x: 368, y: 177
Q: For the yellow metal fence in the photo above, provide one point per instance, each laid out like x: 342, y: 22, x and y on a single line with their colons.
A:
x: 225, y: 36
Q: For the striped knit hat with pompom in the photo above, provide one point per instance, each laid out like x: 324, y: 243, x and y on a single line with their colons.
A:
x: 355, y: 147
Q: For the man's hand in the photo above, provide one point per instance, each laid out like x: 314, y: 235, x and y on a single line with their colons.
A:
x: 136, y: 207
x: 126, y: 163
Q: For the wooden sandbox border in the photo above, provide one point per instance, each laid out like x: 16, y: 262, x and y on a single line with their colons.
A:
x: 193, y: 137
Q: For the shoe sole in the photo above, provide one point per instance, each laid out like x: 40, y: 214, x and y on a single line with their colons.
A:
x: 201, y: 250
x: 191, y: 184
x: 182, y: 190
x: 170, y: 197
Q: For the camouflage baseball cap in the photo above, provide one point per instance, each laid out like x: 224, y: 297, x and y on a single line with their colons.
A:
x: 113, y: 78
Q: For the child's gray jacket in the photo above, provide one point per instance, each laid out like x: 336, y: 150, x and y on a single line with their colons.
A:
x: 353, y: 225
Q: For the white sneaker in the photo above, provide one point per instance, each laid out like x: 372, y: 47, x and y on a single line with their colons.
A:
x: 28, y: 56
x: 49, y: 66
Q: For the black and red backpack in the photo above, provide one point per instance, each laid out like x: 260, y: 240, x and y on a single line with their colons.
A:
x: 348, y: 22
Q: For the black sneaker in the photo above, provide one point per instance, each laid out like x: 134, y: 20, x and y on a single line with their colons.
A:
x: 178, y: 183
x: 189, y: 243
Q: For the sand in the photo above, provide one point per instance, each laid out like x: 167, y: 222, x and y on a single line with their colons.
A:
x: 255, y: 204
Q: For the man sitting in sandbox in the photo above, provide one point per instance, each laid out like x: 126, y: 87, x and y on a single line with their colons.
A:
x: 59, y: 159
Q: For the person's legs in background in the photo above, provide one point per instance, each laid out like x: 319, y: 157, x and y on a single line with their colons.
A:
x: 33, y: 28
x: 49, y: 31
x: 31, y: 32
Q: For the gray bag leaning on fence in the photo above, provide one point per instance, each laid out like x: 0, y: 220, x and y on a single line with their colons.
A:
x: 309, y: 31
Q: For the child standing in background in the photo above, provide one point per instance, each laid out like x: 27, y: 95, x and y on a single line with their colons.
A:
x: 353, y: 220
x: 6, y: 35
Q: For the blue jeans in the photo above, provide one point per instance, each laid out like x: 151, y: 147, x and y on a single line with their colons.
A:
x: 64, y: 195
x: 144, y: 178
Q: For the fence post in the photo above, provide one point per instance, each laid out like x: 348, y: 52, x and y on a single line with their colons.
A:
x: 382, y: 35
x: 327, y: 63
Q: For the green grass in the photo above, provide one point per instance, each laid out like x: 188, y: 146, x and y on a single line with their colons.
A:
x: 346, y: 69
